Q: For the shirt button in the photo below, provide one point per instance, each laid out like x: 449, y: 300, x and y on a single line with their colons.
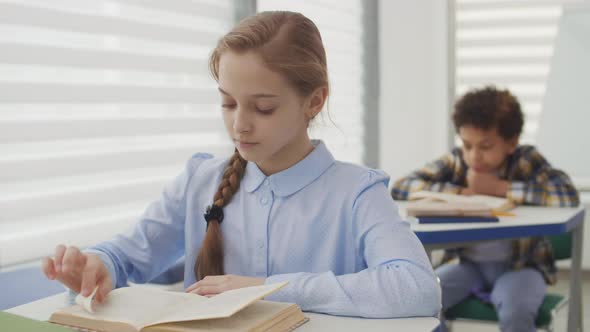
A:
x: 260, y: 244
x: 264, y: 200
x: 267, y: 182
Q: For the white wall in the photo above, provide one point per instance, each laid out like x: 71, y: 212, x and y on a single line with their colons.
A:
x: 413, y: 85
x: 563, y: 136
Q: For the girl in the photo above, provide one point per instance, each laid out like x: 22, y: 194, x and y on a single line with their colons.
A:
x: 281, y: 208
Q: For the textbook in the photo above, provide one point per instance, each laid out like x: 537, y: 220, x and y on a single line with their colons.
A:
x: 141, y: 308
x: 455, y: 219
x: 436, y: 204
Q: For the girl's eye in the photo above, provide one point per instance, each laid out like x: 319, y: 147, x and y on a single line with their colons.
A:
x: 228, y: 106
x: 266, y: 111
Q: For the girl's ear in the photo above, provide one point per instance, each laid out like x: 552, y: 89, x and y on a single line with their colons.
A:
x: 316, y: 102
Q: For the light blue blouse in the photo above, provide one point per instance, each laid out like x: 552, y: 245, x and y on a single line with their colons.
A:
x: 330, y: 228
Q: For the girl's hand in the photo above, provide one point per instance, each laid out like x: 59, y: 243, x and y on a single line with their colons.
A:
x: 213, y: 285
x: 78, y: 271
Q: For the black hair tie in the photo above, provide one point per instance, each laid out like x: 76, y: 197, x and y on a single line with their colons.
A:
x: 214, y: 212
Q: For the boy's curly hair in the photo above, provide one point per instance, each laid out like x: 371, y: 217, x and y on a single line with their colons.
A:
x: 489, y: 108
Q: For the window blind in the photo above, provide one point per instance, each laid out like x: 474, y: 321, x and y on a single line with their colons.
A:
x: 101, y: 104
x: 508, y: 44
x: 340, y: 24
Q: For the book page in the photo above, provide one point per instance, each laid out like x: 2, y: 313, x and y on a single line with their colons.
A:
x: 260, y: 316
x: 495, y: 203
x: 219, y: 306
x: 136, y: 306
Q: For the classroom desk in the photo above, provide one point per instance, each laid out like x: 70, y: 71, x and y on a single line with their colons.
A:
x: 42, y: 309
x: 528, y: 221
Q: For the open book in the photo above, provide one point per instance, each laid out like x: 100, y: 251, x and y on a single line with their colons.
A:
x: 436, y: 204
x: 140, y: 308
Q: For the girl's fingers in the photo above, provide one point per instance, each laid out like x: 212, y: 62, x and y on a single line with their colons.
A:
x: 71, y: 261
x: 191, y: 287
x: 212, y: 280
x: 92, y: 275
x: 88, y: 280
x: 68, y: 267
x: 209, y: 281
x: 101, y: 292
x: 206, y: 290
x: 48, y: 268
x: 59, y: 255
x: 202, y: 282
x: 104, y: 287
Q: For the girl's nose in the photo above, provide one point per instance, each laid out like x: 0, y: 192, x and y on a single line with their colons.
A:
x: 241, y: 121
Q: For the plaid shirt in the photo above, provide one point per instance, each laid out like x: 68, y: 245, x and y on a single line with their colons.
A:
x: 532, y: 182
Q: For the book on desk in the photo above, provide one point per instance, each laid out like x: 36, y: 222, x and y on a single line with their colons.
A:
x: 141, y: 308
x: 435, y: 207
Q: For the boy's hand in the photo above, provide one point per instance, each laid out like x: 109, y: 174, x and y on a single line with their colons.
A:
x: 213, y: 285
x: 467, y: 192
x: 78, y: 271
x: 485, y: 184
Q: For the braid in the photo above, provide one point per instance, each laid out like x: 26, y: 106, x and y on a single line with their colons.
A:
x: 210, y: 257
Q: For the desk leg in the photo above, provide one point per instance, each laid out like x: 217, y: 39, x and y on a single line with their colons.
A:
x: 575, y: 319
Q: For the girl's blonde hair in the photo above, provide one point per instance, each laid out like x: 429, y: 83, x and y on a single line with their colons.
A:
x: 288, y: 43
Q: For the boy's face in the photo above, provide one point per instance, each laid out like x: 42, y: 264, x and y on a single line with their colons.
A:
x: 484, y: 151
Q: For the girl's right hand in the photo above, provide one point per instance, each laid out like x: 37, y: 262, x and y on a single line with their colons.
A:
x: 78, y: 271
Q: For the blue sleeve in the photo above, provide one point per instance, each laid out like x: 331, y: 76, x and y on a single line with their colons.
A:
x: 398, y: 281
x: 156, y: 242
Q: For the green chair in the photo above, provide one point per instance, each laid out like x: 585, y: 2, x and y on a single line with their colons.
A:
x: 473, y: 309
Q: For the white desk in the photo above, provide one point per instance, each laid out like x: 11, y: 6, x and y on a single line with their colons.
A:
x: 42, y: 309
x: 528, y: 221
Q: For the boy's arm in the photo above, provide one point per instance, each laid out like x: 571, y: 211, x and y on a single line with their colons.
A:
x: 435, y: 176
x: 543, y: 184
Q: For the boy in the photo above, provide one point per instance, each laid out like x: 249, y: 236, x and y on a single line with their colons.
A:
x: 489, y: 122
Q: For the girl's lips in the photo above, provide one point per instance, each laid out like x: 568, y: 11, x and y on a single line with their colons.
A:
x: 245, y: 145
